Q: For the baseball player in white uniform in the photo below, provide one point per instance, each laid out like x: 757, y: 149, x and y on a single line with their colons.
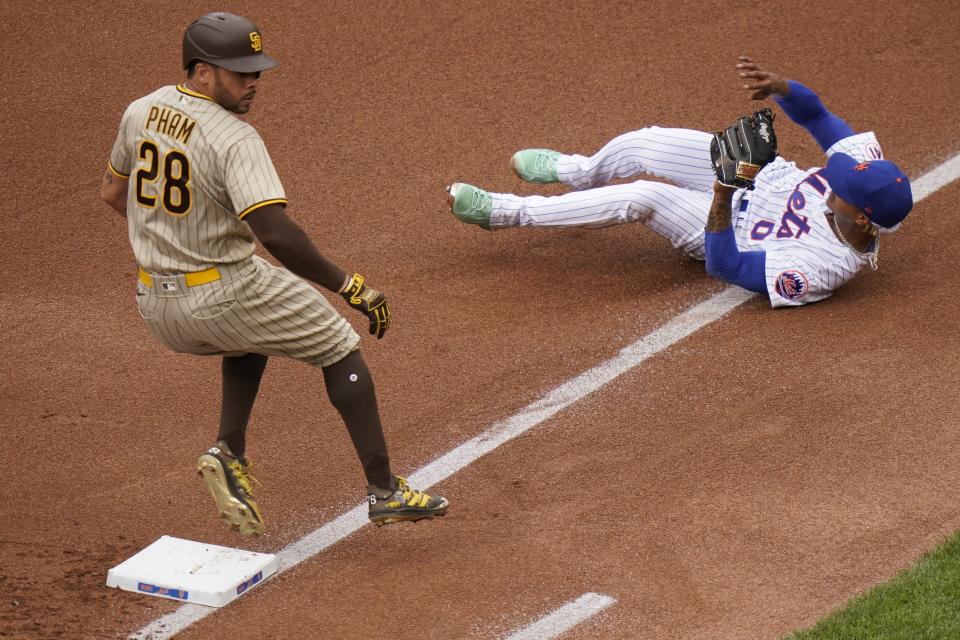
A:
x: 197, y: 186
x: 797, y: 236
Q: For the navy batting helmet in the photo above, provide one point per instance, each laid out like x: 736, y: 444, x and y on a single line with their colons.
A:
x: 228, y: 41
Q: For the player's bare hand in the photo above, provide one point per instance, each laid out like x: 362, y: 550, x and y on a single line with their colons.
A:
x: 760, y: 83
x: 369, y: 302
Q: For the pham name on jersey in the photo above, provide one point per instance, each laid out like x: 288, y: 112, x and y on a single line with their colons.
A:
x: 170, y: 122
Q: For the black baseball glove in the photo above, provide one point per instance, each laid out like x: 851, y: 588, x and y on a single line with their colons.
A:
x: 741, y: 150
x: 370, y: 302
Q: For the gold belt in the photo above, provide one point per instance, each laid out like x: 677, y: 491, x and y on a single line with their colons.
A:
x: 192, y: 279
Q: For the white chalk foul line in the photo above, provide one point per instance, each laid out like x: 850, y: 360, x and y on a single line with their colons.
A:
x: 938, y: 177
x: 500, y: 432
x: 530, y: 416
x: 564, y: 618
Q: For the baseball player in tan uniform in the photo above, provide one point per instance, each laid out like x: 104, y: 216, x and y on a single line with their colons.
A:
x: 197, y: 186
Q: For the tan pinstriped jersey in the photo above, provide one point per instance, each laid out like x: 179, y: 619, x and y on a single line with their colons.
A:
x: 195, y: 171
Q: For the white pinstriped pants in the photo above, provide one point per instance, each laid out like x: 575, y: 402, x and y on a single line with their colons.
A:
x: 676, y: 211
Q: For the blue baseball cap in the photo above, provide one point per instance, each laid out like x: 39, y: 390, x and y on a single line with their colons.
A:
x: 876, y: 187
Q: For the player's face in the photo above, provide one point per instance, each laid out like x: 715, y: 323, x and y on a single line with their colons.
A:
x: 234, y: 91
x: 846, y: 215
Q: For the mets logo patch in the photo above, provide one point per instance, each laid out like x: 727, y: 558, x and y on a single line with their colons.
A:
x: 792, y: 284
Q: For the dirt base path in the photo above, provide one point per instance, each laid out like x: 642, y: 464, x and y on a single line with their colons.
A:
x: 742, y: 484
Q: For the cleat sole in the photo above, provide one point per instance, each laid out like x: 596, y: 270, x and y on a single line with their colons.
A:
x: 391, y: 519
x: 232, y: 510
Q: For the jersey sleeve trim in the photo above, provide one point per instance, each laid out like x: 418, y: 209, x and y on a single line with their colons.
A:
x: 862, y: 147
x: 259, y: 205
x: 196, y: 94
x: 125, y: 176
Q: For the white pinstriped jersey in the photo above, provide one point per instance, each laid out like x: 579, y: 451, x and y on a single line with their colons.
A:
x: 195, y: 170
x: 784, y: 217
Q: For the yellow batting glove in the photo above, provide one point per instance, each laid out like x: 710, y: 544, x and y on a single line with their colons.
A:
x: 370, y: 302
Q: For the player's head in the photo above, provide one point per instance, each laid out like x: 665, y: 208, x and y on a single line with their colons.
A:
x: 223, y: 55
x: 877, y: 188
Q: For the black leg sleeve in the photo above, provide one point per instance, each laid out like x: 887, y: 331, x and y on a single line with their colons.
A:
x: 241, y: 381
x: 351, y: 391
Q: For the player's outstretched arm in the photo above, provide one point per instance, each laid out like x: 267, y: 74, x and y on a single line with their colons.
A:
x: 288, y: 242
x: 801, y: 104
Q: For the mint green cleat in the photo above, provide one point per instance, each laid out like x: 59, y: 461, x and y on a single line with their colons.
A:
x: 536, y: 165
x: 470, y: 204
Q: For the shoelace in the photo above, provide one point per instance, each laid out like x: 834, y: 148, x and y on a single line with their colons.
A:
x: 241, y: 475
x: 540, y: 162
x: 481, y: 199
x: 411, y: 495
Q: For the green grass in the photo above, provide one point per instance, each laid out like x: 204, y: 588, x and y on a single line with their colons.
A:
x: 920, y: 603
